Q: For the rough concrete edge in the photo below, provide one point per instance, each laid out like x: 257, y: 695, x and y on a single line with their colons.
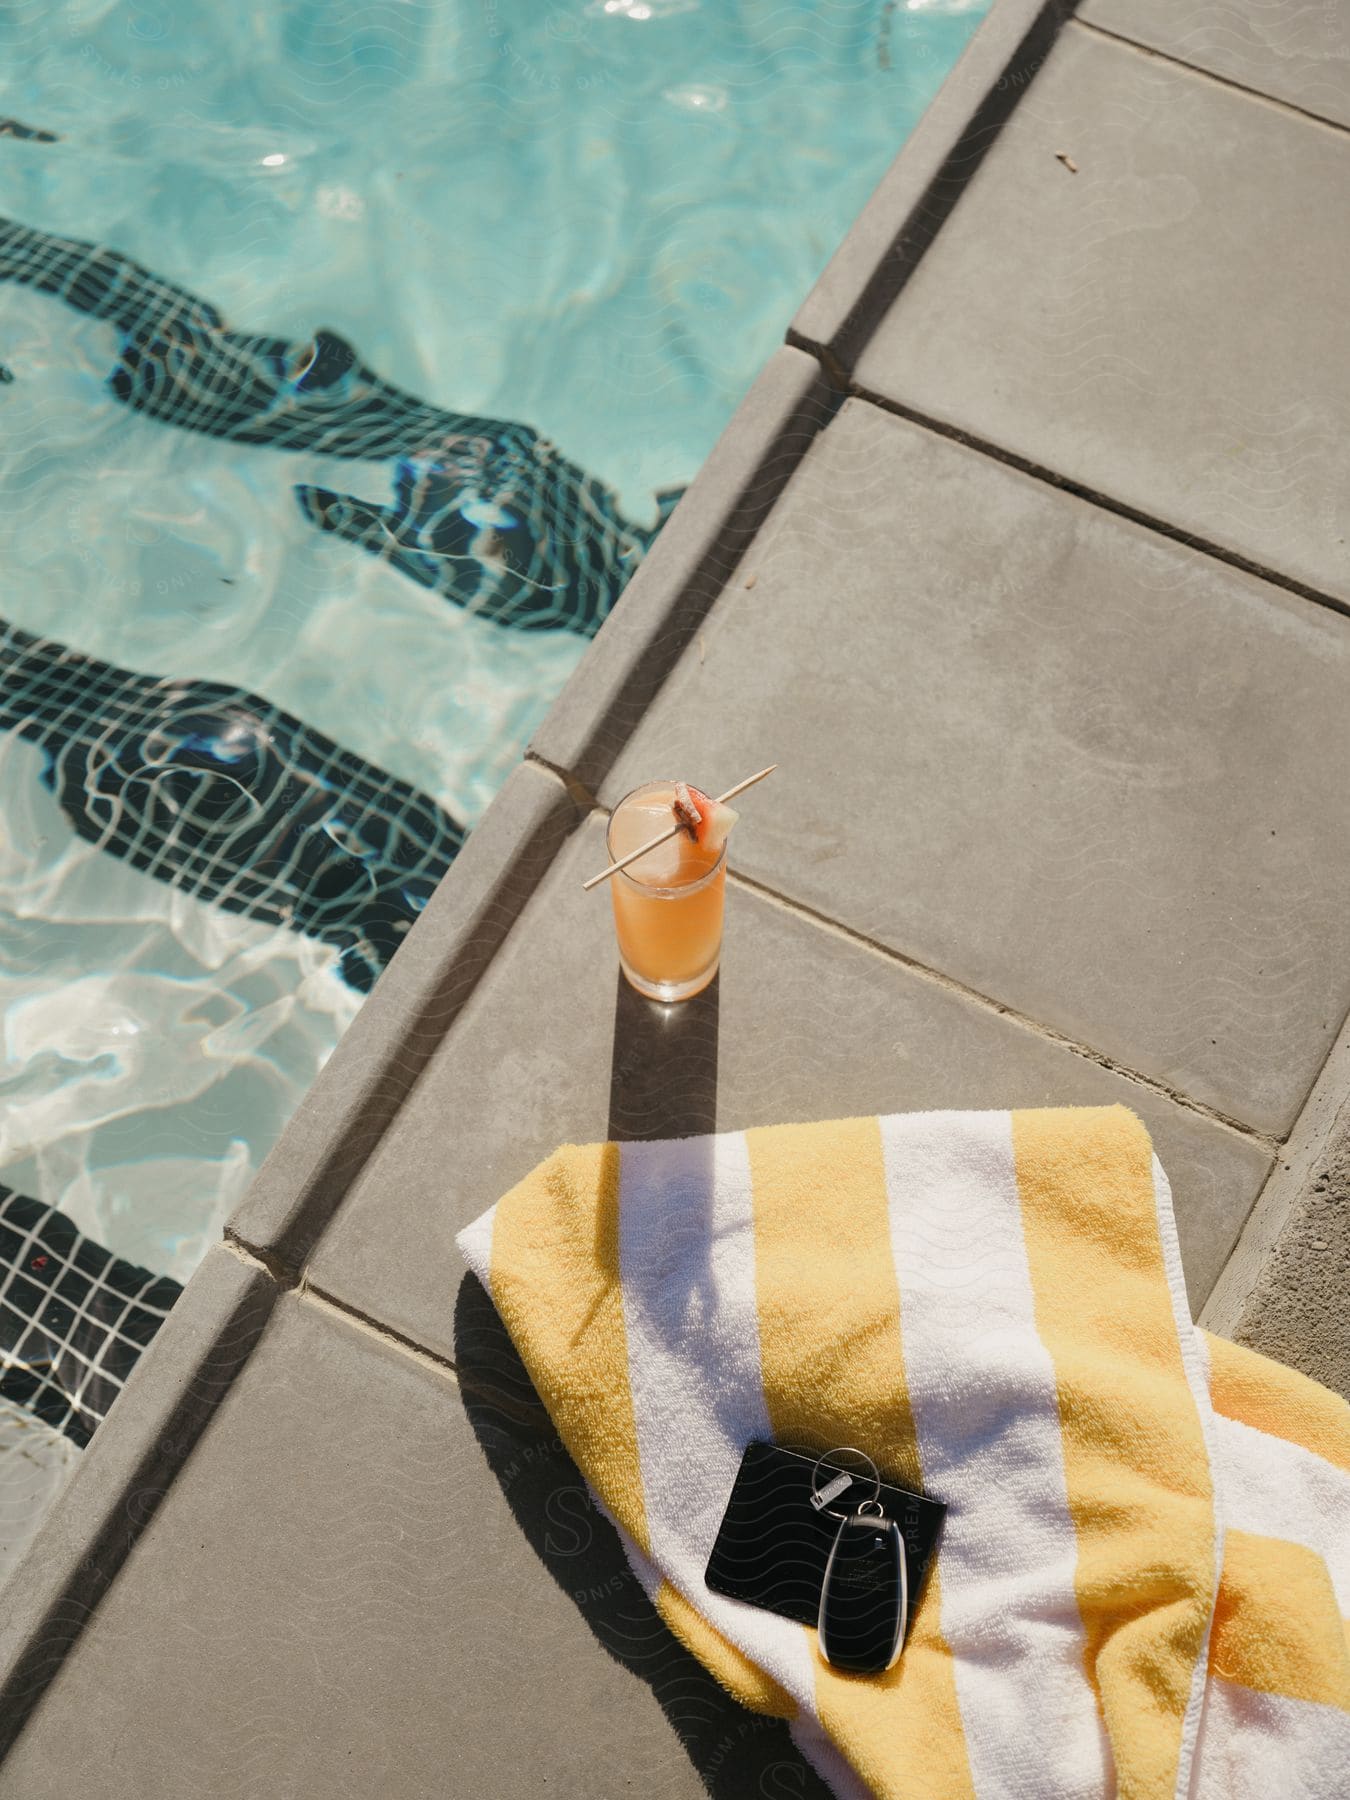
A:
x: 1326, y: 1109
x: 123, y: 1475
x: 927, y: 178
x: 687, y: 568
x: 414, y: 1004
x: 1297, y: 1311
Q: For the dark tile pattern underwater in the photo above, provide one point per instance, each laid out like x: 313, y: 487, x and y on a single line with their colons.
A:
x: 488, y: 512
x: 74, y: 1318
x: 222, y: 795
x: 216, y: 791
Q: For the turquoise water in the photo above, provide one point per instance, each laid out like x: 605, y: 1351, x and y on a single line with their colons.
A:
x: 594, y: 219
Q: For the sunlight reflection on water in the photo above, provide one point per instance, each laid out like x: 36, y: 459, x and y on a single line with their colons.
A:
x: 545, y: 214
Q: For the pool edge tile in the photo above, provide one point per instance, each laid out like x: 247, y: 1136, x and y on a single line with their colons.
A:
x: 413, y: 1005
x: 909, y: 204
x: 125, y: 1473
x: 671, y: 594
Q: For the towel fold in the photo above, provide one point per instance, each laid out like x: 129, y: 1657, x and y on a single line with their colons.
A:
x: 1144, y: 1580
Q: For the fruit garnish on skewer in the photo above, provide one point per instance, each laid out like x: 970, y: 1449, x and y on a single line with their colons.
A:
x: 706, y: 821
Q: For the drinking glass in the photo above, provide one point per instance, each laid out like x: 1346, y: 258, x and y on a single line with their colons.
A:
x: 668, y: 915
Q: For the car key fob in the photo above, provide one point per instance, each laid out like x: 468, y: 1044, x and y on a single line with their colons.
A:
x: 864, y: 1599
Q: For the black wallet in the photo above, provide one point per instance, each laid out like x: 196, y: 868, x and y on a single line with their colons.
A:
x: 773, y: 1544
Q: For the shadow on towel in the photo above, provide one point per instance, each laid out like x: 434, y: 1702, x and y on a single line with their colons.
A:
x: 737, y: 1754
x: 663, y: 1083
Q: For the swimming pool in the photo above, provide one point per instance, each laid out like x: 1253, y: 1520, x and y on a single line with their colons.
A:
x: 353, y: 353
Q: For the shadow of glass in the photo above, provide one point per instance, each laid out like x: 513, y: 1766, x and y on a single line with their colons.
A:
x: 738, y: 1755
x: 663, y: 1071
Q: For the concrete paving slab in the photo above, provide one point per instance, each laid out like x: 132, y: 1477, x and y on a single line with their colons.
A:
x: 1069, y: 763
x: 802, y: 1024
x: 1289, y: 49
x: 392, y: 1594
x: 1167, y: 326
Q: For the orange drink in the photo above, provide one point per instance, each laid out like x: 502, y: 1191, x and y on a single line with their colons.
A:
x: 667, y: 904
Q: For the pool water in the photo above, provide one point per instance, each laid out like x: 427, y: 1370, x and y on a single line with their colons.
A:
x: 352, y: 353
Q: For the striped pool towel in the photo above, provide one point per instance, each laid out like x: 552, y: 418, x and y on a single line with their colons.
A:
x: 1143, y: 1580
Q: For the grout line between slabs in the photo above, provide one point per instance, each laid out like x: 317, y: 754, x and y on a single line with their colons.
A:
x: 1121, y: 509
x: 354, y: 1318
x: 319, y: 1298
x: 950, y: 984
x: 577, y: 789
x: 1302, y: 113
x: 369, y: 1326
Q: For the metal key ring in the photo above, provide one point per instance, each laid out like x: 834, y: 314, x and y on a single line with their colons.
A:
x: 873, y: 1499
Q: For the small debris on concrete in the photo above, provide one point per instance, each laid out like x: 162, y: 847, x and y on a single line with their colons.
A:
x: 1064, y: 157
x: 750, y: 580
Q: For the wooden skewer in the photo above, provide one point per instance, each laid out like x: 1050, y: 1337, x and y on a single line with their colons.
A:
x: 675, y: 830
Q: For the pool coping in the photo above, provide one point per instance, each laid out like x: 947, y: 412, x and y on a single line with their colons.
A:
x: 111, y: 1497
x: 941, y: 155
x: 134, y: 1458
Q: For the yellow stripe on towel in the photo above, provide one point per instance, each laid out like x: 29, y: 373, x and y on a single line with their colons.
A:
x: 1279, y: 1401
x: 1275, y: 1621
x: 1134, y: 1451
x: 555, y: 1282
x: 834, y: 1376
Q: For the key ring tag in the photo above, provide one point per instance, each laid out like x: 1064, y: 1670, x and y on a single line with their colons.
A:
x: 821, y: 1497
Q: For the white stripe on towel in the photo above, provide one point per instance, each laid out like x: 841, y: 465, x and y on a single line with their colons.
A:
x: 1195, y: 1361
x: 1277, y: 1489
x: 475, y: 1245
x: 687, y: 1256
x: 1266, y: 1747
x: 986, y: 1410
